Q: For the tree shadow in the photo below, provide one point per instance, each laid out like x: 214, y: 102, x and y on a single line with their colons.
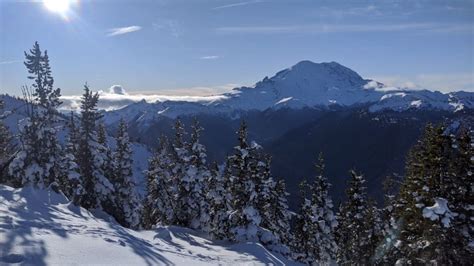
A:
x: 32, y: 216
x: 42, y: 212
x: 187, y: 235
x: 147, y: 251
x: 260, y: 253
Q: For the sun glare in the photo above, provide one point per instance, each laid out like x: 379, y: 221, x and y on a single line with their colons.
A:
x: 60, y: 7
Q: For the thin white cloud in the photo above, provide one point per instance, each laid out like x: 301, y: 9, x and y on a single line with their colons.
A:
x: 168, y: 25
x: 116, y: 97
x: 209, y: 57
x: 6, y: 62
x: 122, y: 30
x: 370, y: 10
x: 201, y: 91
x: 336, y: 28
x: 237, y: 4
x: 441, y: 82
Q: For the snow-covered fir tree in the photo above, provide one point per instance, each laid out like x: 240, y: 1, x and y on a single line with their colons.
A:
x: 38, y: 159
x: 107, y: 164
x: 126, y: 196
x: 303, y: 225
x: 189, y: 173
x: 217, y: 197
x: 273, y: 207
x: 315, y: 231
x: 71, y: 181
x: 434, y: 208
x: 198, y: 174
x: 356, y: 229
x: 106, y: 168
x: 277, y: 217
x: 244, y: 216
x: 182, y: 183
x: 159, y: 206
x: 98, y: 190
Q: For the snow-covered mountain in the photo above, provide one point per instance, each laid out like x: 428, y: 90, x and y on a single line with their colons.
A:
x: 41, y: 227
x: 304, y: 85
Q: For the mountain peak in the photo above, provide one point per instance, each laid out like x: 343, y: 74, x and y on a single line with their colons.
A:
x: 330, y: 68
x: 325, y: 74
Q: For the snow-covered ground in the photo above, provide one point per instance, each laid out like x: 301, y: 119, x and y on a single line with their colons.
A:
x: 40, y: 227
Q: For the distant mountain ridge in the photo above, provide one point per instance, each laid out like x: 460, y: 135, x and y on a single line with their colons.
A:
x: 297, y: 113
x: 304, y: 85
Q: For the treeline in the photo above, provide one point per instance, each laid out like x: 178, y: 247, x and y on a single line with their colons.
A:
x: 427, y: 218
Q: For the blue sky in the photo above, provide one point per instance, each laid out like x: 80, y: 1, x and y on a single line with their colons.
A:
x: 207, y: 46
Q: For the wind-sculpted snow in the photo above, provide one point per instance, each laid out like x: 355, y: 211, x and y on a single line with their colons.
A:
x: 40, y: 227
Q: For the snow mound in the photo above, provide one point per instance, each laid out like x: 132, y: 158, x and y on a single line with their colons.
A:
x: 40, y: 227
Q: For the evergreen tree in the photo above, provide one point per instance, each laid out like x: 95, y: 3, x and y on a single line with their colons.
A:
x: 38, y: 66
x: 245, y: 218
x: 273, y: 207
x: 317, y: 222
x: 127, y: 199
x: 98, y: 190
x: 198, y: 174
x: 160, y: 203
x: 303, y: 226
x: 217, y: 198
x: 71, y: 182
x: 432, y: 206
x: 462, y: 192
x: 106, y: 168
x: 185, y: 209
x: 38, y: 160
x: 355, y: 234
x: 277, y: 217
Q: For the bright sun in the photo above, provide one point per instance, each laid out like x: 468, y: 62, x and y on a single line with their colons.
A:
x: 58, y: 6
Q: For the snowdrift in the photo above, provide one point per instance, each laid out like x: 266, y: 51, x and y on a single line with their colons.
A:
x: 41, y: 227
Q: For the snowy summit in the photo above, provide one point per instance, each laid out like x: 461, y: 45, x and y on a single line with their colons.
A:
x: 304, y: 85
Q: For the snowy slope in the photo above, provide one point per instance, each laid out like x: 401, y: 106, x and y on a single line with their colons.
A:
x: 305, y: 84
x: 40, y: 227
